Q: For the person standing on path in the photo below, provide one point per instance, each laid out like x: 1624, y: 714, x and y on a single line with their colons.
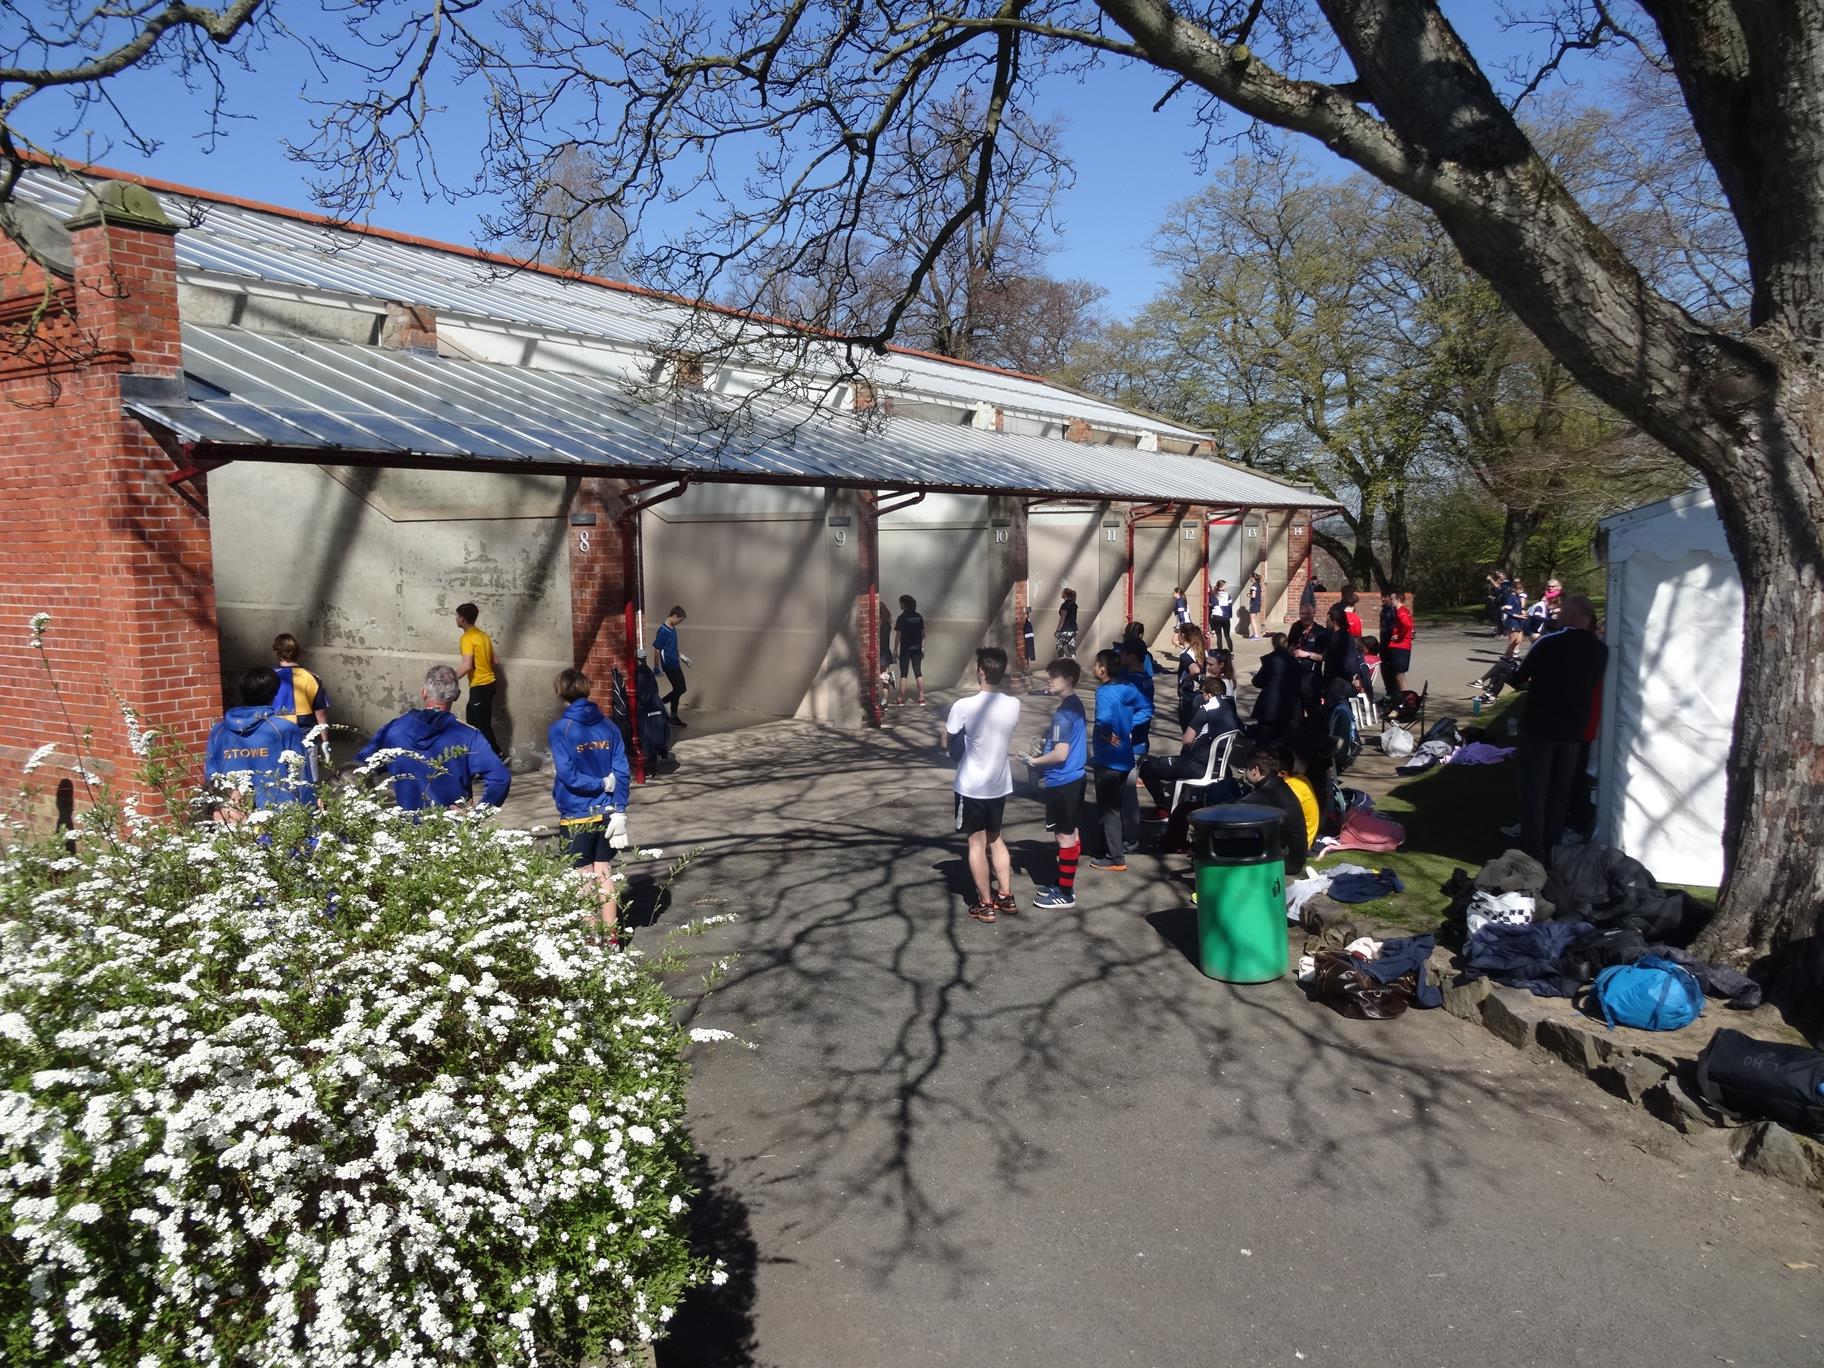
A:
x: 1222, y: 615
x: 909, y: 646
x: 1276, y: 706
x: 302, y: 696
x: 979, y: 734
x: 1561, y: 676
x: 590, y: 783
x: 1256, y: 601
x: 1181, y: 608
x: 476, y: 648
x: 254, y: 740
x: 672, y: 661
x: 1121, y: 709
x: 435, y: 759
x: 1067, y: 624
x: 1062, y: 759
x: 1398, y: 641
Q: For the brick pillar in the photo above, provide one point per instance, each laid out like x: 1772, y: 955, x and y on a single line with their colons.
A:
x: 95, y: 534
x: 602, y: 595
x: 1298, y: 562
x: 867, y: 605
x: 1021, y: 547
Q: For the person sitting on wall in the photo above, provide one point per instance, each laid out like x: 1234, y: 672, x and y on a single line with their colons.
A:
x: 255, y: 741
x: 433, y: 758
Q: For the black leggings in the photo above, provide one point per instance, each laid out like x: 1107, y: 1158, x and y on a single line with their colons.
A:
x: 480, y: 712
x: 1220, y: 637
x: 676, y: 678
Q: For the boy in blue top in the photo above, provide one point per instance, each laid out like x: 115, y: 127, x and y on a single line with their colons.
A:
x: 252, y: 740
x: 442, y: 758
x: 1137, y: 669
x: 1120, y: 708
x: 672, y: 661
x: 589, y: 784
x: 1063, y: 757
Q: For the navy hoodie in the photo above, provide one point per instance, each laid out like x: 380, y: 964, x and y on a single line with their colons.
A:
x: 585, y: 748
x: 429, y: 734
x: 253, y: 740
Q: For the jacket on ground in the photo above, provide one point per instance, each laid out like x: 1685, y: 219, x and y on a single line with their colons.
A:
x: 445, y: 759
x: 585, y: 749
x: 255, y: 740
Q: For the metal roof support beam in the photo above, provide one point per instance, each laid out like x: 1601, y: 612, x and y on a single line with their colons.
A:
x: 1134, y: 514
x: 669, y: 494
x: 898, y: 504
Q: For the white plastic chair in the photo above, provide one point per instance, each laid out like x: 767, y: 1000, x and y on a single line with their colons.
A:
x: 1215, y: 769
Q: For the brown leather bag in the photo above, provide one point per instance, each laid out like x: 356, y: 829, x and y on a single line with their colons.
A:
x: 1341, y: 983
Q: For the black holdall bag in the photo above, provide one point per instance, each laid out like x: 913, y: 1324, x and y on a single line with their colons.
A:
x: 1757, y: 1078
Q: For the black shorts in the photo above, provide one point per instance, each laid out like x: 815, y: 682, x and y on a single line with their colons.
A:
x: 911, y: 662
x: 587, y: 842
x: 1062, y: 804
x: 979, y: 814
x: 1397, y: 661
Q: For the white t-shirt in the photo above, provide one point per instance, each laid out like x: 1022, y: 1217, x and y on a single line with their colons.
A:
x: 987, y: 721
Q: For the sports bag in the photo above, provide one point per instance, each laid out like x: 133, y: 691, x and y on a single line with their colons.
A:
x: 1783, y: 1083
x: 1651, y: 994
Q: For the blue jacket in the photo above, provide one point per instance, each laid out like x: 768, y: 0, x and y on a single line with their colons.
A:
x: 666, y: 645
x: 1143, y: 731
x: 430, y: 734
x: 585, y: 748
x: 253, y: 740
x: 1120, y: 708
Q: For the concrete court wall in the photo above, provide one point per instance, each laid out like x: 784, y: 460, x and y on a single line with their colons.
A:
x: 750, y: 566
x: 366, y: 567
x: 1069, y: 547
x: 947, y: 552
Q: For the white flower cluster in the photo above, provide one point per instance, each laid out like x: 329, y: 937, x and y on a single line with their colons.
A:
x: 341, y: 1088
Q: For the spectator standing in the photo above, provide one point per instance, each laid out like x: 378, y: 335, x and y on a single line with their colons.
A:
x: 984, y: 725
x: 254, y: 740
x: 1276, y: 706
x: 1257, y: 595
x: 672, y: 661
x: 302, y: 697
x: 1120, y: 709
x: 1513, y: 616
x: 1181, y: 607
x: 1190, y: 670
x: 1222, y: 616
x: 1561, y: 675
x: 590, y: 785
x: 1351, y: 597
x: 909, y: 645
x: 1067, y: 624
x: 1063, y: 760
x: 1398, y: 661
x: 1307, y: 599
x: 438, y: 759
x: 476, y: 648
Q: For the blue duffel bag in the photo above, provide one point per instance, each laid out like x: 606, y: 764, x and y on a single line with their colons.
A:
x: 1651, y: 994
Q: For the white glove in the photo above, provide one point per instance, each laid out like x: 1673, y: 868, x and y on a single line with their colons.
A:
x: 328, y: 761
x: 617, y: 831
x: 607, y: 783
x: 685, y: 659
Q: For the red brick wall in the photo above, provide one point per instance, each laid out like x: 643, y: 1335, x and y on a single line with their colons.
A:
x: 1298, y: 562
x: 867, y: 607
x: 95, y: 534
x: 598, y: 591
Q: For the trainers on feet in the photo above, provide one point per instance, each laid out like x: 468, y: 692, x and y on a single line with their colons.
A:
x: 1006, y: 902
x: 982, y: 912
x: 1117, y: 865
x: 679, y: 722
x: 1511, y: 831
x: 1053, y: 897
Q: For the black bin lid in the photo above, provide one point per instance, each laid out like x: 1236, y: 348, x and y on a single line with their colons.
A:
x: 1238, y: 817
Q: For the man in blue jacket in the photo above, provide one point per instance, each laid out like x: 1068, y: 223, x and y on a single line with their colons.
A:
x: 437, y: 759
x: 589, y: 784
x: 672, y: 661
x: 253, y: 740
x: 1120, y: 709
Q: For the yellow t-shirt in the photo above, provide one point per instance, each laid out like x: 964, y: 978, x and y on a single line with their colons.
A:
x: 1307, y: 799
x: 477, y: 644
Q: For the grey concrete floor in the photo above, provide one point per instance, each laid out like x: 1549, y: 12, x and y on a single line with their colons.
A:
x: 1052, y: 1141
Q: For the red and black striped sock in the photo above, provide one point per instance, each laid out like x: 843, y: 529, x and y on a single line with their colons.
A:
x: 1067, y: 865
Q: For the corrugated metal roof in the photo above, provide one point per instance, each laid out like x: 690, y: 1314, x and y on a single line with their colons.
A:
x: 232, y: 241
x: 248, y: 391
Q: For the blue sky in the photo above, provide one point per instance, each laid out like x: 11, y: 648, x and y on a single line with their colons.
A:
x: 1132, y: 164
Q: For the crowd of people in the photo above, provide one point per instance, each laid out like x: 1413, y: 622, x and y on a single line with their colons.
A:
x: 274, y: 747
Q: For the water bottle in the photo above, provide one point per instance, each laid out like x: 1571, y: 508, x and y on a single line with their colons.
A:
x: 1513, y: 727
x: 1475, y: 707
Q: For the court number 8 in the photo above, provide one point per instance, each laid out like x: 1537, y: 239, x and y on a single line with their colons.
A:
x: 582, y: 540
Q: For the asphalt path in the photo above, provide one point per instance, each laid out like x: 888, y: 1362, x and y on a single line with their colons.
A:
x: 1052, y: 1141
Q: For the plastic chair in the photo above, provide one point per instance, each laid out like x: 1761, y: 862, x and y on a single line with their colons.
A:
x: 1215, y: 769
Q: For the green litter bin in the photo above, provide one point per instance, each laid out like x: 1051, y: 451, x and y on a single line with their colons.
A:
x: 1241, y: 892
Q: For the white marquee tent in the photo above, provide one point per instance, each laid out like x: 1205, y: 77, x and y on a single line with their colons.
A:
x: 1675, y: 652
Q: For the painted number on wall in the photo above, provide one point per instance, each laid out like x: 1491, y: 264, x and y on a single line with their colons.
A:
x: 582, y: 540
x: 1000, y: 536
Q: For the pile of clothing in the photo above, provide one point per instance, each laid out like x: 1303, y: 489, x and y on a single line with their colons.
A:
x: 1373, y: 980
x: 1552, y: 931
x: 1446, y: 744
x: 1345, y: 883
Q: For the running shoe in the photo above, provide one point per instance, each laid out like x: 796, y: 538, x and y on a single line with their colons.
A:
x: 1006, y: 902
x: 1053, y: 897
x: 982, y: 912
x: 1117, y: 866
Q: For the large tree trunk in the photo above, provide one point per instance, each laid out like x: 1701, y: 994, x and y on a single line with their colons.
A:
x: 1517, y: 529
x: 1773, y: 830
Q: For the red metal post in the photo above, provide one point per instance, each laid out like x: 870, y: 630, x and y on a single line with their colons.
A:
x: 1203, y: 563
x: 630, y: 581
x: 867, y: 605
x: 1129, y: 577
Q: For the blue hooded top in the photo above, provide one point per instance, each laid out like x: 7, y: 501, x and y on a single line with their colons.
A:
x: 586, y: 747
x: 429, y: 733
x: 1120, y: 709
x: 254, y: 740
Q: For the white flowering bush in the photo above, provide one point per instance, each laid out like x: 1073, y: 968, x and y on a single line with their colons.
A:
x: 329, y: 1088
